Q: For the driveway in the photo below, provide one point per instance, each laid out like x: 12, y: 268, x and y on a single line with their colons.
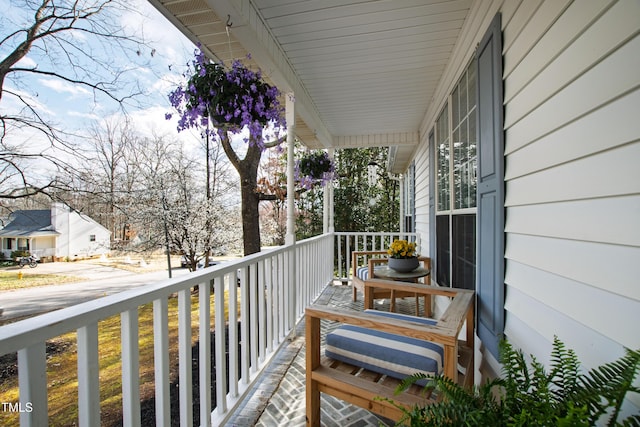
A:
x: 100, y: 281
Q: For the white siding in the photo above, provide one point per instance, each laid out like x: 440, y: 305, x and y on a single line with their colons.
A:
x: 81, y: 228
x: 572, y: 142
x: 572, y: 181
x: 422, y: 197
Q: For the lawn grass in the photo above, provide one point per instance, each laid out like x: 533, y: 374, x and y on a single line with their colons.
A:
x: 62, y: 367
x: 11, y: 280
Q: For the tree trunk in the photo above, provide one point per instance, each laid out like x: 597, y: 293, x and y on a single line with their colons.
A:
x: 250, y: 216
x: 248, y: 170
x: 250, y: 199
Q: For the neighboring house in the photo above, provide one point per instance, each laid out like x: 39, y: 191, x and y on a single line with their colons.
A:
x: 55, y: 233
x: 515, y: 124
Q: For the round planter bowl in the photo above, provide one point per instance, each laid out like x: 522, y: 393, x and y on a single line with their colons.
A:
x: 404, y: 265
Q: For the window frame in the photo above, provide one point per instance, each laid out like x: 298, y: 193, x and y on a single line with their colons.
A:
x: 451, y: 212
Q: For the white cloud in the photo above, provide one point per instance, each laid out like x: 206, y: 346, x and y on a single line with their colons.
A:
x: 168, y: 44
x: 27, y: 62
x: 82, y: 115
x: 13, y: 105
x: 64, y: 87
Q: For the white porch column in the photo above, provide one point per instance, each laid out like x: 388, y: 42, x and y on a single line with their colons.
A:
x: 290, y: 237
x: 401, y: 211
x: 328, y: 212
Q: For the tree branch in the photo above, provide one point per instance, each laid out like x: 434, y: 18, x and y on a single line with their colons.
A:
x: 276, y: 142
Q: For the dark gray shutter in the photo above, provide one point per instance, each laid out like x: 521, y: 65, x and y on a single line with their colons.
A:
x: 490, y: 278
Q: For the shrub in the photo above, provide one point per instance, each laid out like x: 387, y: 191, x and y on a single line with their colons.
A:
x: 529, y: 396
x: 19, y: 254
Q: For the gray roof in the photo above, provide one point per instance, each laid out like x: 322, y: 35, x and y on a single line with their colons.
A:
x: 31, y: 223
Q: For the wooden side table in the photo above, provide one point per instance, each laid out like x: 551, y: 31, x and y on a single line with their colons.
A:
x: 384, y: 272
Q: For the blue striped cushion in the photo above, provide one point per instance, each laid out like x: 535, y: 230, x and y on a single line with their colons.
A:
x: 390, y: 354
x: 362, y: 273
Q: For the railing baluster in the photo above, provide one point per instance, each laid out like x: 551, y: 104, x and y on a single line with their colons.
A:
x: 220, y: 347
x: 348, y: 255
x: 245, y: 355
x: 234, y: 373
x: 338, y: 239
x: 161, y: 361
x: 32, y: 380
x: 184, y: 357
x: 88, y: 376
x: 262, y: 344
x: 269, y: 303
x: 204, y: 369
x: 281, y: 307
x: 253, y: 316
x: 130, y: 368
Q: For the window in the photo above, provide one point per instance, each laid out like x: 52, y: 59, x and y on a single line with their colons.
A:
x: 456, y: 183
x: 92, y: 237
x: 23, y: 244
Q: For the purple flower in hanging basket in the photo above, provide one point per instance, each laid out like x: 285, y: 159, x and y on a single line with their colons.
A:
x: 231, y: 98
x: 314, y: 168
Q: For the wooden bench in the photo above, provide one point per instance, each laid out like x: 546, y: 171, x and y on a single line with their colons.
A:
x: 363, y: 387
x: 362, y: 270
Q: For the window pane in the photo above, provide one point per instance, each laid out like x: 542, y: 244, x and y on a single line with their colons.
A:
x: 464, y: 251
x: 455, y: 106
x: 464, y: 161
x: 442, y: 250
x: 443, y: 154
x: 462, y: 87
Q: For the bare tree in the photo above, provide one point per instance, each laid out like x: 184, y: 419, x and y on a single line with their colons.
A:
x: 171, y: 201
x: 107, y: 173
x: 74, y: 43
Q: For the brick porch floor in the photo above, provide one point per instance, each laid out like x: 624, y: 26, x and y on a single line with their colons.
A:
x: 278, y: 397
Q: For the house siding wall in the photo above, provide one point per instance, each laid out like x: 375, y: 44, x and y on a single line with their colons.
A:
x: 572, y: 144
x: 80, y: 228
x: 75, y: 230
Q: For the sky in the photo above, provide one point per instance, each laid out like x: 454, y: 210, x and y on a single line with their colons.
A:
x: 157, y: 69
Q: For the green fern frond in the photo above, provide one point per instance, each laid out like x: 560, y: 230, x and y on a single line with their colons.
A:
x: 565, y: 370
x: 409, y: 381
x: 632, y: 421
x: 606, y: 386
x: 527, y: 396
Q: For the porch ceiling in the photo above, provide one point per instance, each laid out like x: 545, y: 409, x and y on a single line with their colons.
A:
x: 363, y: 72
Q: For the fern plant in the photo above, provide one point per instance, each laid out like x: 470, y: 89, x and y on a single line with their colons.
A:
x: 526, y: 395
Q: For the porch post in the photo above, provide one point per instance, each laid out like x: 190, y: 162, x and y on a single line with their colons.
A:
x: 403, y: 226
x: 291, y: 188
x: 328, y: 213
x: 290, y: 238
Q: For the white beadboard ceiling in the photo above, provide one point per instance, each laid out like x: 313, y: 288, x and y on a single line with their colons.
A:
x: 362, y: 72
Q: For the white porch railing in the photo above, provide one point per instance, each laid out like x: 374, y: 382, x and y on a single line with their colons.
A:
x: 347, y: 242
x: 270, y: 288
x: 286, y: 279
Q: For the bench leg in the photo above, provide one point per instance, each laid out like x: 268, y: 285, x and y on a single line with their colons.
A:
x: 313, y: 362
